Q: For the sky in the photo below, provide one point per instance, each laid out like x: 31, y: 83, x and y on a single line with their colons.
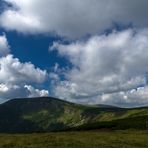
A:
x: 83, y: 51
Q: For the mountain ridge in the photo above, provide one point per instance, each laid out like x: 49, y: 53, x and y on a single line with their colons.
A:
x: 45, y: 114
x: 61, y: 100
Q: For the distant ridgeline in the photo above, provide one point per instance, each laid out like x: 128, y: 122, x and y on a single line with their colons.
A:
x: 50, y: 114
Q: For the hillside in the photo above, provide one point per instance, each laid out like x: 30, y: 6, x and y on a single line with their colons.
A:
x: 51, y: 114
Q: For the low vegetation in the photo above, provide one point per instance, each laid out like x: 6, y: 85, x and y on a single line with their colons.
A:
x: 91, y: 139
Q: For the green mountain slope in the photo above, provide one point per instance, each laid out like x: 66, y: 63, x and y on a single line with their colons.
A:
x: 50, y: 114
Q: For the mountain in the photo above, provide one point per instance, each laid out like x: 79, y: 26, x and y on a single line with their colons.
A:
x: 50, y: 114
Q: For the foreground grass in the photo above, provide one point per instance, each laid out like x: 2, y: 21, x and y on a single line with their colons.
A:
x: 88, y: 139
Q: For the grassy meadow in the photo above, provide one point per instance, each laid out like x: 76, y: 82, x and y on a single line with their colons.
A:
x: 83, y: 139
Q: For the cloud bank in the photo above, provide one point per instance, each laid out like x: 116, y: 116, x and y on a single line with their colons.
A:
x: 72, y: 19
x: 106, y: 68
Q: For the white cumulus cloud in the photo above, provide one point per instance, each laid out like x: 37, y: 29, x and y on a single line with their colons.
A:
x: 4, y: 47
x: 36, y: 92
x: 72, y: 18
x: 105, y: 65
x: 17, y: 78
x: 13, y: 71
